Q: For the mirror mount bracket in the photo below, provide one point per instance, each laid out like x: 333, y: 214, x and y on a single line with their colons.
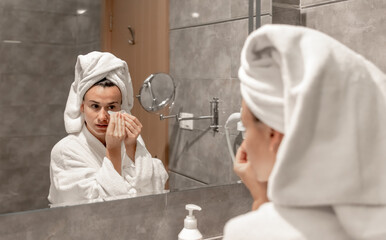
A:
x: 214, y: 125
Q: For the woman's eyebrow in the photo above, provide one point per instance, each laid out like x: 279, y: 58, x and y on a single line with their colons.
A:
x: 112, y: 103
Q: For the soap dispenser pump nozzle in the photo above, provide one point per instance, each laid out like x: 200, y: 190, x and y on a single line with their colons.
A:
x: 190, y: 231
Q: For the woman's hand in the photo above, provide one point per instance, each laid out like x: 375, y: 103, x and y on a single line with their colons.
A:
x: 133, y: 129
x: 115, y: 134
x: 244, y: 170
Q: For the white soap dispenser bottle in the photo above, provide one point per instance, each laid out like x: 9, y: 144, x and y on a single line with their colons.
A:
x: 190, y: 231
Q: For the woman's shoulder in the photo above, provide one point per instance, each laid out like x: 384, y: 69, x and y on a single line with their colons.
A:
x: 68, y: 143
x: 265, y: 223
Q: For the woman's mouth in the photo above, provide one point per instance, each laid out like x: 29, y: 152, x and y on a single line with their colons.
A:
x: 101, y: 125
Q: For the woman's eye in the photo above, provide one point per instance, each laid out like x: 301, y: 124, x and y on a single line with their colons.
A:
x: 94, y: 106
x: 111, y: 107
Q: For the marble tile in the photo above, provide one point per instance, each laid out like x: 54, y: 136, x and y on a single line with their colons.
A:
x: 150, y: 217
x: 19, y: 152
x: 36, y: 26
x: 37, y: 59
x: 19, y: 89
x: 178, y: 182
x: 283, y: 15
x: 201, y: 52
x: 24, y: 188
x: 359, y: 24
x: 36, y: 5
x: 196, y: 153
x: 309, y: 3
x: 88, y: 27
x: 32, y: 120
x: 182, y: 11
x: 88, y: 47
x: 289, y: 2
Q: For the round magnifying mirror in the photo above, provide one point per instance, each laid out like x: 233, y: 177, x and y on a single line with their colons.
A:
x: 157, y: 92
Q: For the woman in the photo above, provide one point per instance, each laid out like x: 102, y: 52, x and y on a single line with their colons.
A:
x: 103, y: 157
x: 314, y: 113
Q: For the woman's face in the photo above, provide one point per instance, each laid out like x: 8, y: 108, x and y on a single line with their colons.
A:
x: 260, y: 144
x: 97, y: 102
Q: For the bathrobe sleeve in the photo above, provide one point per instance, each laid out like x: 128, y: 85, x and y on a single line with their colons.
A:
x: 147, y: 174
x: 76, y: 178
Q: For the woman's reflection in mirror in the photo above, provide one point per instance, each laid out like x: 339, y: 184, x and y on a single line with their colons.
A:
x: 103, y: 157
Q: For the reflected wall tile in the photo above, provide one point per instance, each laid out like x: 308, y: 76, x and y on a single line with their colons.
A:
x: 19, y: 89
x: 35, y: 5
x: 359, y: 24
x: 14, y: 151
x: 16, y: 192
x: 88, y: 47
x: 38, y: 58
x: 290, y: 2
x: 308, y: 3
x: 32, y: 120
x: 178, y: 182
x: 182, y: 12
x: 239, y: 8
x: 283, y: 15
x: 88, y: 27
x: 71, y: 6
x: 201, y: 155
x: 201, y: 52
x: 33, y: 26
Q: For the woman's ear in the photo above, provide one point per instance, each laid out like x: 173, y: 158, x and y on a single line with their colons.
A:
x: 82, y: 108
x: 275, y: 140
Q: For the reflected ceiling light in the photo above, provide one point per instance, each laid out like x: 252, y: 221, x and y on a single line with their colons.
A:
x: 195, y: 15
x: 11, y: 41
x: 81, y: 11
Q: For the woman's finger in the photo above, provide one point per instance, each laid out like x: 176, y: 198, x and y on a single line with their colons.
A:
x: 133, y: 119
x: 132, y: 129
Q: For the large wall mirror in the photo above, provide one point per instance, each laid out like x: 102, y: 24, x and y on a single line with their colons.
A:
x: 197, y: 42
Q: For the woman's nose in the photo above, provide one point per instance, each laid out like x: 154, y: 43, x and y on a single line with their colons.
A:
x: 103, y: 115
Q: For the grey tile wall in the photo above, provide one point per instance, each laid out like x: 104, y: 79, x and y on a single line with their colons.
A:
x: 359, y: 24
x: 204, y: 60
x: 182, y: 11
x: 35, y: 76
x: 149, y: 217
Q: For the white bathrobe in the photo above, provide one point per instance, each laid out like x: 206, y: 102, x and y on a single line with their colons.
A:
x: 329, y: 178
x: 80, y: 171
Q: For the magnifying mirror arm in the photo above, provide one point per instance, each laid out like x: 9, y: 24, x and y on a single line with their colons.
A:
x: 214, y: 116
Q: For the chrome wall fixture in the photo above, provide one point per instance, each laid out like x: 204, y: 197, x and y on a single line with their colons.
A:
x: 214, y: 124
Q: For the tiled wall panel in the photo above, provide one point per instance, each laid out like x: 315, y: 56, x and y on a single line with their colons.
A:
x: 188, y: 13
x: 359, y: 24
x: 149, y: 217
x: 36, y: 72
x: 204, y: 61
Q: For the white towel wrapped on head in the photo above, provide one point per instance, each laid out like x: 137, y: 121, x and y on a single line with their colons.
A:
x: 330, y: 103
